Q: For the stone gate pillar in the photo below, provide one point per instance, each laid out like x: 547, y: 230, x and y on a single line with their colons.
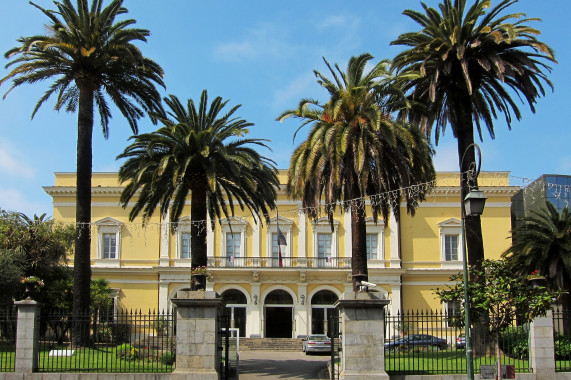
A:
x: 363, y: 335
x: 27, y: 336
x: 197, y: 335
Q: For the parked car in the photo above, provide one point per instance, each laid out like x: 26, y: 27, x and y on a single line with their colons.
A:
x: 417, y: 340
x: 461, y: 341
x: 316, y: 343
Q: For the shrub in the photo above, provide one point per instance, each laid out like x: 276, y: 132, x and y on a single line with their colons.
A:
x: 168, y: 358
x: 562, y: 348
x: 127, y: 352
x: 513, y: 342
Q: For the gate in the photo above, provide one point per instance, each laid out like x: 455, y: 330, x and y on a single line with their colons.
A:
x: 333, y: 332
x: 224, y: 331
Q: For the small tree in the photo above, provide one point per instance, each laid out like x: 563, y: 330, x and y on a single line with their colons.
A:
x: 501, y: 296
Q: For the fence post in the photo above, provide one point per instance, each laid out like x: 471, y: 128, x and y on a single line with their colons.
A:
x: 197, y: 337
x: 542, y: 347
x: 27, y: 336
x: 362, y: 335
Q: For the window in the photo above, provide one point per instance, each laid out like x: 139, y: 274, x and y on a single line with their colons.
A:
x: 108, y: 241
x: 451, y: 247
x: 374, y: 240
x: 233, y: 238
x: 232, y: 244
x: 109, y: 246
x: 453, y: 316
x: 450, y: 242
x: 323, y: 245
x: 371, y: 242
x: 272, y: 250
x: 183, y: 238
x: 185, y: 245
x: 325, y: 242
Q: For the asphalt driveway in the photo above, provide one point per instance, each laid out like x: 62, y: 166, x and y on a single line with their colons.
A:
x: 256, y: 365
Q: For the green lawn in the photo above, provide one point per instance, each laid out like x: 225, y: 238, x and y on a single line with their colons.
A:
x: 445, y: 361
x: 102, y: 359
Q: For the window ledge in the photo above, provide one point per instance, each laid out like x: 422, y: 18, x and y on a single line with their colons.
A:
x: 107, y: 263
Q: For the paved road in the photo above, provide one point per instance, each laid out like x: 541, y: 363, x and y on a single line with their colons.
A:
x: 267, y: 365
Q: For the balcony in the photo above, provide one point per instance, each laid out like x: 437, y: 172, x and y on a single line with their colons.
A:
x: 286, y: 262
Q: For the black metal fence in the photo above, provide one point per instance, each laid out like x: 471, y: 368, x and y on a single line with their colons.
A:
x: 428, y: 342
x: 124, y: 341
x: 8, y: 321
x: 562, y: 338
x: 334, y: 333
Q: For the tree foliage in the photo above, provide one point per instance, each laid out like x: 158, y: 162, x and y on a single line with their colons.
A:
x: 499, y: 295
x: 202, y: 152
x: 355, y: 149
x: 543, y: 243
x: 35, y: 246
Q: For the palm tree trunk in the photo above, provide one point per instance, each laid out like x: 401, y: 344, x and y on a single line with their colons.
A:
x: 473, y: 226
x: 198, y: 246
x: 82, y: 258
x: 358, y: 235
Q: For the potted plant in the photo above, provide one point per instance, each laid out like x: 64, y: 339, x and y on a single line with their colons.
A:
x: 32, y: 286
x: 198, y: 277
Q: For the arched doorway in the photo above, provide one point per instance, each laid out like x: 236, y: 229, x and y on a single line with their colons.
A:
x: 278, y: 309
x: 321, y: 309
x: 236, y: 304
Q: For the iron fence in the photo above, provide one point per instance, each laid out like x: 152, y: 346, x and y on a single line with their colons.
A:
x: 123, y: 341
x: 562, y: 338
x: 8, y: 321
x: 430, y: 342
x: 334, y: 333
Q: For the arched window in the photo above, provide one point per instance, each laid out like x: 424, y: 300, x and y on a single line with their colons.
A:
x: 321, y: 310
x: 236, y: 304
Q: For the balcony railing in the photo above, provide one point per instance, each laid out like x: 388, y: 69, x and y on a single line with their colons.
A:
x: 285, y: 262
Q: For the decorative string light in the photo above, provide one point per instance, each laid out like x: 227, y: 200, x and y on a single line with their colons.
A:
x: 393, y: 197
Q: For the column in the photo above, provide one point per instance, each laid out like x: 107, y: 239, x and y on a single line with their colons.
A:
x: 27, y: 336
x: 302, y: 322
x: 197, y: 335
x: 163, y: 293
x: 395, y: 247
x: 542, y: 347
x: 363, y: 352
x: 254, y: 318
x: 302, y: 234
x: 165, y: 237
x: 348, y: 231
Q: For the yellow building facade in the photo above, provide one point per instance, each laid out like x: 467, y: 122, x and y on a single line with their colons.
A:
x: 287, y: 290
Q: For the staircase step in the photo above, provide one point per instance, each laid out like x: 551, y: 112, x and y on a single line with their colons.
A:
x: 275, y: 344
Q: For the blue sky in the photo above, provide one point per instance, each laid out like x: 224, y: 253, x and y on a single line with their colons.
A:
x: 261, y: 54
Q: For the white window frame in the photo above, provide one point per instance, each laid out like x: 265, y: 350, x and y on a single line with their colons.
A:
x: 286, y: 226
x: 108, y: 226
x: 183, y: 227
x: 379, y: 230
x: 321, y: 226
x: 235, y: 225
x: 451, y: 226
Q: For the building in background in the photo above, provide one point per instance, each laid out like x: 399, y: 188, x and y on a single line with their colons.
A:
x: 286, y: 290
x: 553, y: 188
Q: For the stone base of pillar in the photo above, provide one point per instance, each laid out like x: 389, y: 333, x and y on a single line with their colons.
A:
x: 197, y: 335
x: 363, y: 340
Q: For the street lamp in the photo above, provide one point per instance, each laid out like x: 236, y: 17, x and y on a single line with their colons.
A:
x: 473, y: 205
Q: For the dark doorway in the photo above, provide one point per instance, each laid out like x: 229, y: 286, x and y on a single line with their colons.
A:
x: 278, y: 322
x: 278, y: 314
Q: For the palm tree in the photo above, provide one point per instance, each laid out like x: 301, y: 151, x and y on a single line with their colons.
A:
x: 201, y: 151
x: 543, y: 243
x: 463, y: 67
x: 88, y: 54
x: 355, y: 149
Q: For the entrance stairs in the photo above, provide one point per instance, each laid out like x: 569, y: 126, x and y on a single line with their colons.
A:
x: 270, y: 344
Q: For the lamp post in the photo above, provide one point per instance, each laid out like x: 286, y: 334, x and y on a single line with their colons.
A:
x: 472, y: 205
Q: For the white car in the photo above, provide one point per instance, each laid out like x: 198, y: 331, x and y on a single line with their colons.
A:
x: 316, y: 343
